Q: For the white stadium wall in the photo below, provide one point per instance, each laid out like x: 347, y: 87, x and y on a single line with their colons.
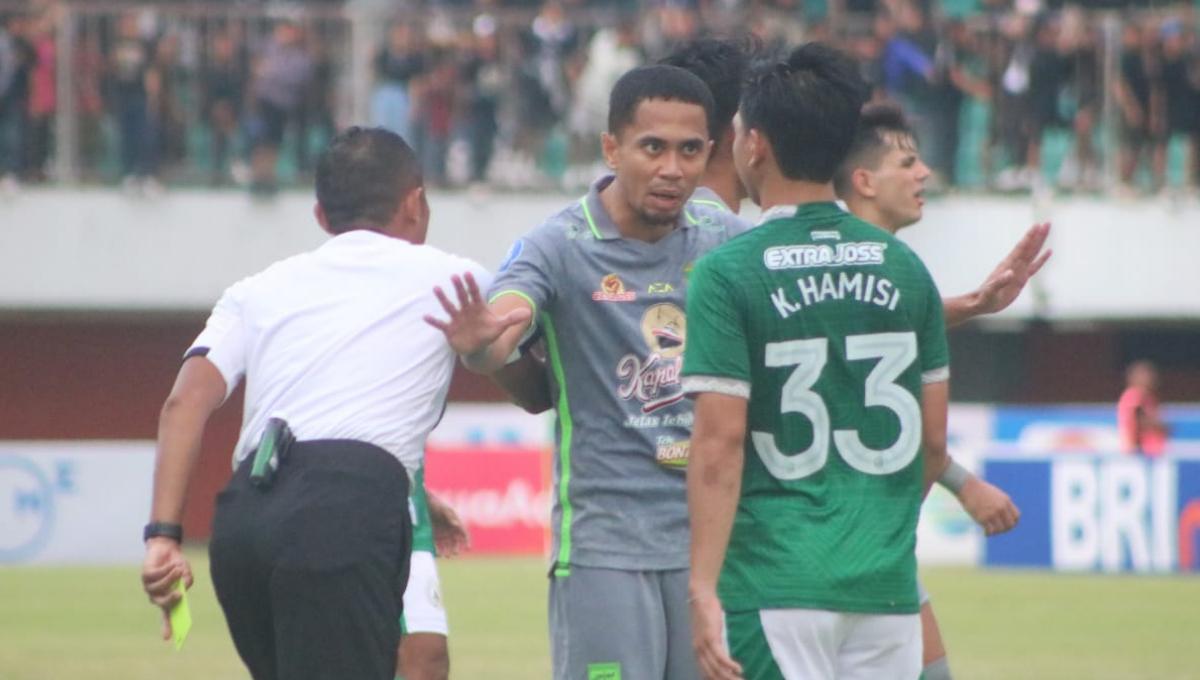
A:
x: 96, y: 378
x: 99, y: 249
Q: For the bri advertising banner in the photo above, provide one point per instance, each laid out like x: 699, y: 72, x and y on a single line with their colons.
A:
x: 1103, y: 513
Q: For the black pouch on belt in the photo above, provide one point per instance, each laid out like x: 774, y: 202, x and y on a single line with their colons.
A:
x: 272, y: 450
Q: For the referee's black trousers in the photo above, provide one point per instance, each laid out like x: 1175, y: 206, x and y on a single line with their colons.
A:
x: 311, y: 572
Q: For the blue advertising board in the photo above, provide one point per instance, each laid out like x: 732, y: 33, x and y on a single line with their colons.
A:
x: 1087, y: 512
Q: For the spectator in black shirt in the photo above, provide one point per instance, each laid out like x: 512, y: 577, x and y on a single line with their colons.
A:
x: 396, y: 65
x: 1137, y: 91
x: 223, y: 82
x: 1047, y: 76
x: 1078, y: 99
x: 483, y: 80
x: 168, y: 106
x: 1181, y: 89
x: 314, y: 116
x: 132, y: 84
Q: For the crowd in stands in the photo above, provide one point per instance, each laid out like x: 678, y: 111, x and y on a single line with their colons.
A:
x: 1003, y: 96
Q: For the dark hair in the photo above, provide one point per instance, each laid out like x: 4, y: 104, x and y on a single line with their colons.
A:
x: 807, y: 105
x: 876, y: 123
x: 362, y: 177
x: 657, y: 81
x: 721, y: 64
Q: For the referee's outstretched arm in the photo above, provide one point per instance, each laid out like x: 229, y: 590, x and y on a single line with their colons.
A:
x: 199, y: 390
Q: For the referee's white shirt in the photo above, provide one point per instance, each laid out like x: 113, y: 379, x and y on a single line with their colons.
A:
x: 333, y: 341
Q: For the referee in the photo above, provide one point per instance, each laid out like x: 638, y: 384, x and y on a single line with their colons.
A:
x: 312, y: 539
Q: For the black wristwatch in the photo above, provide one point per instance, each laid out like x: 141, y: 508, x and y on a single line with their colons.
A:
x: 163, y: 529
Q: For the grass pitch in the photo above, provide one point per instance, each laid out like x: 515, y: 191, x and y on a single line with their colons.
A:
x: 94, y: 623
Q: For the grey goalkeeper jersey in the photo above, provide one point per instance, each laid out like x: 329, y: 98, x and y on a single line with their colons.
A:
x: 612, y: 312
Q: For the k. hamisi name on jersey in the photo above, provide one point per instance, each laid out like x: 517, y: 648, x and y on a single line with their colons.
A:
x: 815, y: 289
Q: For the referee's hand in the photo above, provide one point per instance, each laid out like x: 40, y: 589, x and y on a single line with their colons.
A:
x: 472, y: 325
x: 162, y: 569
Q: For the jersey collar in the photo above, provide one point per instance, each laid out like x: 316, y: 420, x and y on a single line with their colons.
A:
x: 705, y: 196
x: 807, y: 210
x: 355, y: 237
x: 601, y: 225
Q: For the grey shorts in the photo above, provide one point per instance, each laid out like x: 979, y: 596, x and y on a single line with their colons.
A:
x: 609, y: 624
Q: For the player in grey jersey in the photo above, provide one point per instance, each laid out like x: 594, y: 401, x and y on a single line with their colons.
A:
x: 604, y: 280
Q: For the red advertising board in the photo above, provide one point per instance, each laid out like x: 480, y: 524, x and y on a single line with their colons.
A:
x: 501, y: 493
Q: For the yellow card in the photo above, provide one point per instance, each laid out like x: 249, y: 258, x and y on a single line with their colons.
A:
x: 181, y: 618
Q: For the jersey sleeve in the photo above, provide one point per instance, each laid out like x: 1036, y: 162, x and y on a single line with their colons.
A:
x: 223, y: 340
x: 931, y: 336
x: 528, y: 271
x: 717, y: 358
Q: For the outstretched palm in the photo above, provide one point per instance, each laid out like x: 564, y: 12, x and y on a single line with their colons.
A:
x: 1009, y: 278
x: 472, y: 326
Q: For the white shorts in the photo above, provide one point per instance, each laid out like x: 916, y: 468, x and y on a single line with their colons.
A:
x: 423, y: 610
x: 813, y: 644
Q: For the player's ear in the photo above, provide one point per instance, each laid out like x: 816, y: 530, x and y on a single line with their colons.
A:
x: 863, y: 182
x: 609, y: 144
x: 757, y: 147
x: 415, y: 213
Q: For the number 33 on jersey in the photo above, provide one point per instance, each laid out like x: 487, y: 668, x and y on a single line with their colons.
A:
x: 829, y: 327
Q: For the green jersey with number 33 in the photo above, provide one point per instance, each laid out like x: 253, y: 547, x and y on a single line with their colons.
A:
x: 829, y: 326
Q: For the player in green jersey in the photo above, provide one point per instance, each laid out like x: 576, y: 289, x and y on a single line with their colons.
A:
x: 882, y: 181
x: 892, y: 199
x: 818, y: 360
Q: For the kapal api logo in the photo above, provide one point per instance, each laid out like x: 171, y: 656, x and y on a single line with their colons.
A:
x: 654, y: 380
